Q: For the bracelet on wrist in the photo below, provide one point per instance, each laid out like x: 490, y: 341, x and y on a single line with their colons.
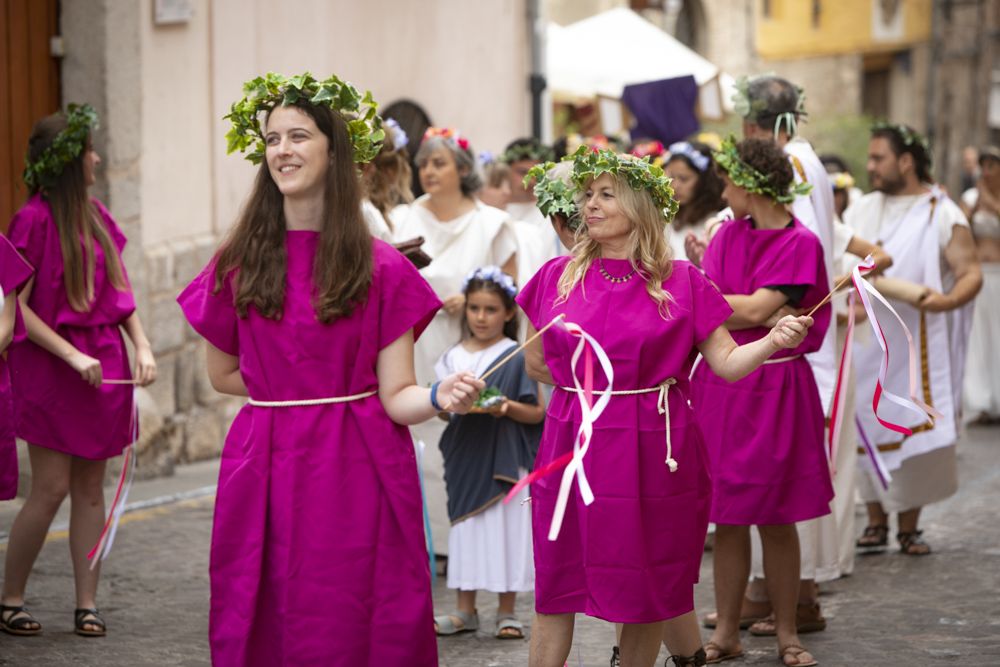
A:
x: 434, y: 392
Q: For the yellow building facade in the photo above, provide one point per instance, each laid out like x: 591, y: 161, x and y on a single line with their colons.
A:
x: 811, y: 28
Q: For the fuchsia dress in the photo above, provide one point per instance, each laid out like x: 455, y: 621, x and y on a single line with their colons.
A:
x: 633, y: 555
x: 14, y: 273
x: 55, y: 407
x: 765, y: 432
x: 318, y: 553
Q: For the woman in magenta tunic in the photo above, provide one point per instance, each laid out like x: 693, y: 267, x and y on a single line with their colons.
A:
x: 632, y: 556
x: 318, y: 553
x: 74, y: 309
x: 765, y: 432
x: 14, y: 273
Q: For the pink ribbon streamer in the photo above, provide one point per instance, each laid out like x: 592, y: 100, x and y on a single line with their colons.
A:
x: 874, y: 457
x: 107, y: 538
x: 837, y: 408
x: 866, y: 291
x: 572, y: 462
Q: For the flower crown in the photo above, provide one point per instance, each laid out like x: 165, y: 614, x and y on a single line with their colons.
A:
x: 534, y: 150
x: 842, y: 180
x: 909, y: 136
x: 752, y: 110
x: 553, y: 194
x: 398, y: 134
x: 744, y: 176
x: 698, y: 159
x: 651, y: 149
x: 589, y: 164
x: 449, y: 133
x: 493, y: 274
x: 264, y: 93
x: 81, y: 120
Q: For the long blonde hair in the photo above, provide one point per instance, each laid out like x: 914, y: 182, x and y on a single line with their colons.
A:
x: 649, y: 252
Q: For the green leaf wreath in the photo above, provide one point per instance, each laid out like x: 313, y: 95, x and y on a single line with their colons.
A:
x: 553, y: 195
x: 81, y: 120
x: 909, y: 136
x: 535, y: 150
x: 727, y: 158
x: 640, y: 174
x: 264, y: 93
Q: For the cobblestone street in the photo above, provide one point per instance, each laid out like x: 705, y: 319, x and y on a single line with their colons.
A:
x: 894, y: 610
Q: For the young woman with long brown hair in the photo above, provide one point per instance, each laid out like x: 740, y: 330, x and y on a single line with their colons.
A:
x: 318, y: 552
x: 74, y: 309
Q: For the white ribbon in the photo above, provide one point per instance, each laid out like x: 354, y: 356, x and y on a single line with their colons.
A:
x: 589, y: 415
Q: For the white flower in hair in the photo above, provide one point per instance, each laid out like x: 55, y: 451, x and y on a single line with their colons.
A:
x: 493, y: 274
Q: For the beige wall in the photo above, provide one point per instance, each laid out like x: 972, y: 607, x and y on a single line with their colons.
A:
x: 466, y: 63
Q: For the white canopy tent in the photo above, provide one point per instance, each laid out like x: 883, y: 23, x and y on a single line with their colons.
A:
x: 602, y: 54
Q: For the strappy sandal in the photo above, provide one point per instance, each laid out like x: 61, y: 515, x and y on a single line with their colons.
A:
x: 751, y: 611
x: 616, y: 657
x: 911, y: 544
x: 84, y: 617
x: 874, y: 539
x: 509, y: 627
x: 14, y: 620
x: 697, y: 660
x: 445, y: 625
x: 722, y: 654
x: 794, y: 651
x: 808, y: 618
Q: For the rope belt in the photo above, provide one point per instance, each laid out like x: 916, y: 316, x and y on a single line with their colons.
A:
x: 662, y: 406
x: 311, y: 401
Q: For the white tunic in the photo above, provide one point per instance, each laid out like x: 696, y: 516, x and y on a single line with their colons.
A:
x: 816, y: 211
x: 481, y: 237
x: 537, y: 241
x: 914, y: 230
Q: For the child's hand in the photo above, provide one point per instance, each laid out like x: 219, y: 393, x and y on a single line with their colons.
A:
x: 790, y: 331
x: 453, y: 304
x: 500, y: 409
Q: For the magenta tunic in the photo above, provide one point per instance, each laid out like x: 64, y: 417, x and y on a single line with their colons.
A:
x: 318, y: 553
x: 55, y: 407
x: 14, y: 273
x: 765, y: 432
x: 633, y: 555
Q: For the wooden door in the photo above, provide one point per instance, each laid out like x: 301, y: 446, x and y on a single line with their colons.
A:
x: 29, y: 88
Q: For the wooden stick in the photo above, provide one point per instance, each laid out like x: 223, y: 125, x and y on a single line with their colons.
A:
x: 120, y: 381
x: 557, y: 318
x: 843, y: 281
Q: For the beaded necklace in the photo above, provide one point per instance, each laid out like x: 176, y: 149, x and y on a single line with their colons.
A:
x: 614, y: 279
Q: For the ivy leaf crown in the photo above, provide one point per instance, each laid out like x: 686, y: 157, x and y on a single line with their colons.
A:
x: 639, y: 173
x: 81, y: 120
x: 535, y: 150
x: 752, y: 109
x: 745, y: 176
x: 909, y: 136
x: 553, y: 195
x: 264, y: 93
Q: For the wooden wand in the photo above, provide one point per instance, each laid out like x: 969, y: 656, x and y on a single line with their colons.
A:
x: 557, y: 318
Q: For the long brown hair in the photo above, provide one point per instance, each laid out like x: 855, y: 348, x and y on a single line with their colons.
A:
x: 387, y: 182
x: 77, y: 219
x: 342, y: 268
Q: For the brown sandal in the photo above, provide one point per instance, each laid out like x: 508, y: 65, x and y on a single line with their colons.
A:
x: 794, y: 651
x: 874, y: 539
x: 722, y: 655
x: 17, y: 620
x: 911, y: 544
x: 808, y: 618
x: 696, y: 660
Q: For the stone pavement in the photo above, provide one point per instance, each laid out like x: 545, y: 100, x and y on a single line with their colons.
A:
x: 894, y: 610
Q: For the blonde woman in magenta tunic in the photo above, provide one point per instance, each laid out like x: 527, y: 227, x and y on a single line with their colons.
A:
x: 14, y: 274
x: 74, y: 309
x: 318, y: 554
x: 633, y: 556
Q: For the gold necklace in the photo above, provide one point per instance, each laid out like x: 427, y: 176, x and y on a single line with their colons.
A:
x: 614, y: 279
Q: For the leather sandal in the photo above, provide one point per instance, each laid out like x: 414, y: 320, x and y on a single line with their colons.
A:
x: 911, y: 544
x: 808, y: 618
x: 616, y: 657
x: 722, y: 654
x: 509, y: 627
x: 794, y: 651
x: 83, y: 617
x: 15, y: 619
x: 445, y: 625
x: 874, y: 539
x: 697, y: 660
